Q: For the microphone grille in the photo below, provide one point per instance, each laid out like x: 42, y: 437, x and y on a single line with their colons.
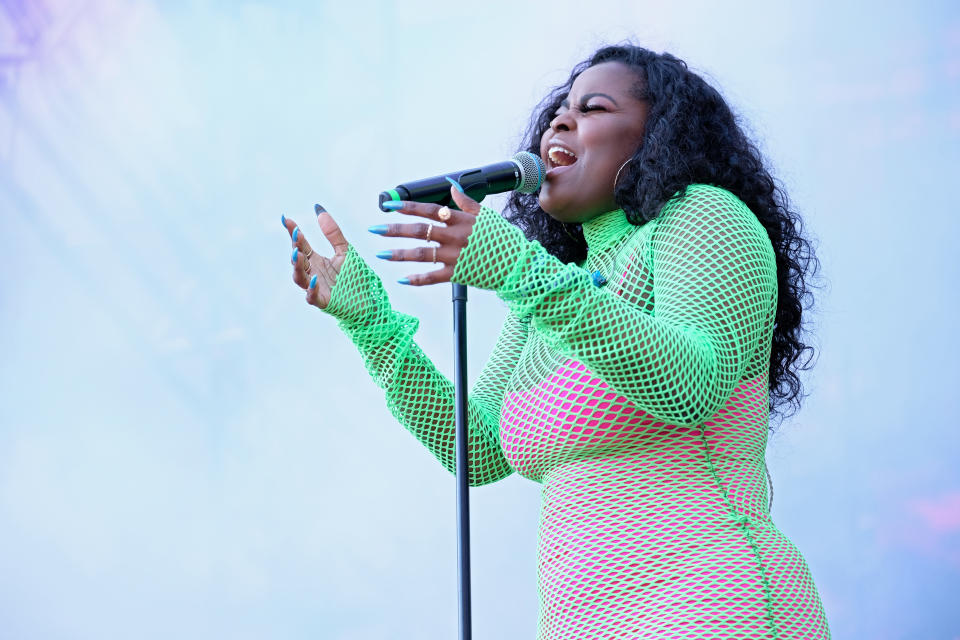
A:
x: 532, y: 172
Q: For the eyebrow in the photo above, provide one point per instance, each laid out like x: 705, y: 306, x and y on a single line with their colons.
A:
x: 566, y: 103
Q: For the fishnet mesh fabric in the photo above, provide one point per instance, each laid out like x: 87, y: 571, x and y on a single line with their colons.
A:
x: 641, y: 407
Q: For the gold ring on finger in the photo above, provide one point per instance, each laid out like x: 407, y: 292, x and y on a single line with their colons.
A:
x: 434, y: 255
x: 429, y: 229
x: 444, y: 214
x: 309, y: 254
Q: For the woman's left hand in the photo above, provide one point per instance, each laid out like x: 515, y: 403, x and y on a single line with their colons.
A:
x: 451, y: 236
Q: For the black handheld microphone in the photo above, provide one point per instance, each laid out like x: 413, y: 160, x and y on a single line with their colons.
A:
x: 524, y: 173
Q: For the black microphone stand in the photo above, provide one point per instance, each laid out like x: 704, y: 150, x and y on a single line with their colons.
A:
x: 463, y: 471
x: 459, y: 296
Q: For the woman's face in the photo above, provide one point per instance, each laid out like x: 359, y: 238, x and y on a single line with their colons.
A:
x: 597, y: 128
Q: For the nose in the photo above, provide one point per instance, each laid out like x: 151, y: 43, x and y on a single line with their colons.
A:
x: 563, y: 121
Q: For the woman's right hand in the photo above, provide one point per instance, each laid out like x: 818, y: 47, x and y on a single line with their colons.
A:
x: 311, y: 268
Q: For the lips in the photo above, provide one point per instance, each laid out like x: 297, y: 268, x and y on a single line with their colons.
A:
x: 559, y: 158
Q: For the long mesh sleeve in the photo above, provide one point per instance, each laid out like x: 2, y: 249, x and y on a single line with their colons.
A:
x: 417, y: 394
x: 714, y: 284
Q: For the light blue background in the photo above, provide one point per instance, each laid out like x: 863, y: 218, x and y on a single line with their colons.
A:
x: 188, y: 450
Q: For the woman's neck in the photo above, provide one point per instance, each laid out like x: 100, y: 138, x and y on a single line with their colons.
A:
x: 605, y: 229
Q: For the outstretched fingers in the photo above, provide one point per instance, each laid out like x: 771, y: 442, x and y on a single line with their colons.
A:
x: 302, y: 252
x: 301, y: 268
x: 424, y: 210
x: 465, y: 202
x: 428, y: 253
x: 316, y: 295
x: 333, y: 234
x: 451, y: 236
x: 431, y: 277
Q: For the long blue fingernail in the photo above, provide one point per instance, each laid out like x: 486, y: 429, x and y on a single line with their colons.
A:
x: 393, y: 205
x: 379, y: 229
x: 283, y: 220
x: 385, y: 255
x: 455, y: 183
x: 293, y: 258
x: 319, y: 209
x: 313, y: 281
x: 404, y: 280
x: 296, y: 232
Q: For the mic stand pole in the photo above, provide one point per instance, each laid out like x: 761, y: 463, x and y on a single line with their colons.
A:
x: 462, y: 461
x: 460, y: 435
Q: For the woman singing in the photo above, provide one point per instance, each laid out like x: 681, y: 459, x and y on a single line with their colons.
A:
x: 655, y: 286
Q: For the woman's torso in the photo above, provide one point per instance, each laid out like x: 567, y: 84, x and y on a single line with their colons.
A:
x: 650, y: 529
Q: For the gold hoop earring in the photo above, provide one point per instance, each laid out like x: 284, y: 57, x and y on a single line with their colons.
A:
x: 566, y: 230
x: 616, y: 179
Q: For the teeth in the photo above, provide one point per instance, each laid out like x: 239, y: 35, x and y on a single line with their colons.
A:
x: 561, y: 156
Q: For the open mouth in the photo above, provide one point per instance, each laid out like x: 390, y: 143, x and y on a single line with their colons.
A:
x: 560, y: 156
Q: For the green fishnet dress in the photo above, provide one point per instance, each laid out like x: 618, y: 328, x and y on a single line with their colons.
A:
x: 640, y: 406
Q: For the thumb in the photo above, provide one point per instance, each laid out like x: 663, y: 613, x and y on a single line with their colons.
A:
x: 464, y: 202
x: 332, y: 231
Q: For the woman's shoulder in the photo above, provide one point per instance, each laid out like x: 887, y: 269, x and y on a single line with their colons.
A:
x: 713, y: 217
x: 707, y: 204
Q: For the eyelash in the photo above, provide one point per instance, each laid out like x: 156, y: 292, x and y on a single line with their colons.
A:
x: 586, y: 108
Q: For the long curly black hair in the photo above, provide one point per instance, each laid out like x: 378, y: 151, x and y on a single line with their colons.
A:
x: 691, y: 137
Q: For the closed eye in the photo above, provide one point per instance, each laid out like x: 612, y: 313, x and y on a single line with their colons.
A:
x: 583, y: 108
